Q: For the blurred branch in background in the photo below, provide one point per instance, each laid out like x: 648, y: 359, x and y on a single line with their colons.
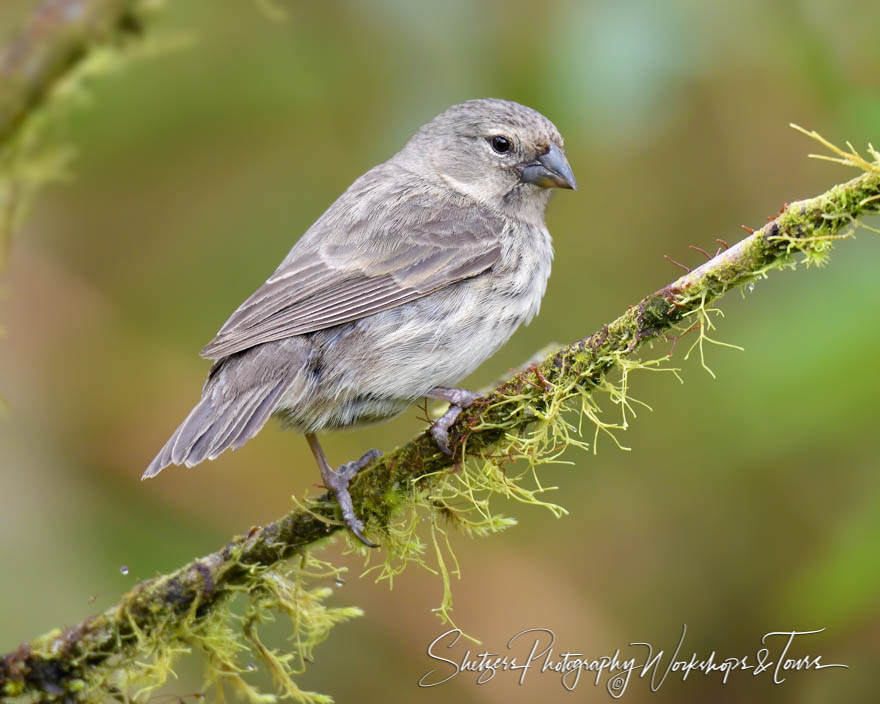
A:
x: 37, y: 68
x: 134, y: 643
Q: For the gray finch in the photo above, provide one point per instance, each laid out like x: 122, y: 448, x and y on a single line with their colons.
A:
x: 421, y: 270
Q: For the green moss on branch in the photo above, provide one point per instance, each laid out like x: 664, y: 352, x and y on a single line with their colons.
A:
x: 524, y: 419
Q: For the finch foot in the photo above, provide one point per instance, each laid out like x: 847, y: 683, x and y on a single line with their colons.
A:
x: 337, y: 481
x: 458, y: 400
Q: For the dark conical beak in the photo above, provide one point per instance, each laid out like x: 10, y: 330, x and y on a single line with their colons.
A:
x: 550, y: 170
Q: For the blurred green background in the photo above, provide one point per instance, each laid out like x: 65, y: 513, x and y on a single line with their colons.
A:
x: 748, y: 504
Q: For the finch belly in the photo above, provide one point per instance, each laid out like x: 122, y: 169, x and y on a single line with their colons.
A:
x: 374, y: 368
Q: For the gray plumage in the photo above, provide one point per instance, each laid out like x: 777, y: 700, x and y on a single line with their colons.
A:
x: 421, y: 270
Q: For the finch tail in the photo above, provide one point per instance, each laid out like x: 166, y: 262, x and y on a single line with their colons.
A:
x: 219, y: 421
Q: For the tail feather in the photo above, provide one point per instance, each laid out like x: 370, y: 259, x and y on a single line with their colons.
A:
x: 249, y: 412
x: 214, y: 439
x: 258, y: 418
x: 218, y: 422
x: 193, y: 427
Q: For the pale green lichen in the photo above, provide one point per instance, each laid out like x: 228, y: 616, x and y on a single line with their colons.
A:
x: 543, y: 419
x: 412, y: 499
x: 530, y: 423
x: 228, y: 638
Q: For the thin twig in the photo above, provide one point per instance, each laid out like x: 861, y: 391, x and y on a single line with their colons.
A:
x: 55, y: 38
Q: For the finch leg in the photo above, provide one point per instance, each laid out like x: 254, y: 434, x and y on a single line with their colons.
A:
x: 458, y: 400
x: 337, y: 482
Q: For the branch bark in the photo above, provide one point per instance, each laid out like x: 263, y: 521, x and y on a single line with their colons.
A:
x: 48, y: 665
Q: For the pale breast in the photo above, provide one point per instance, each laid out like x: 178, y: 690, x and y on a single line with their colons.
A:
x: 526, y: 259
x: 363, y: 369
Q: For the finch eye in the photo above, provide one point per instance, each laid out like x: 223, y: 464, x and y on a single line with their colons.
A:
x: 500, y: 144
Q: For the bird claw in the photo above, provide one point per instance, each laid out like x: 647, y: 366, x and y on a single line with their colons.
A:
x: 349, y: 470
x: 337, y: 482
x: 440, y: 432
x: 458, y: 400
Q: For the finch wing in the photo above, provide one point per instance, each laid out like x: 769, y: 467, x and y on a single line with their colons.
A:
x: 353, y: 264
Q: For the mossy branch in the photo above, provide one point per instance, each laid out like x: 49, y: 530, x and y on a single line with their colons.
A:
x: 521, y: 419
